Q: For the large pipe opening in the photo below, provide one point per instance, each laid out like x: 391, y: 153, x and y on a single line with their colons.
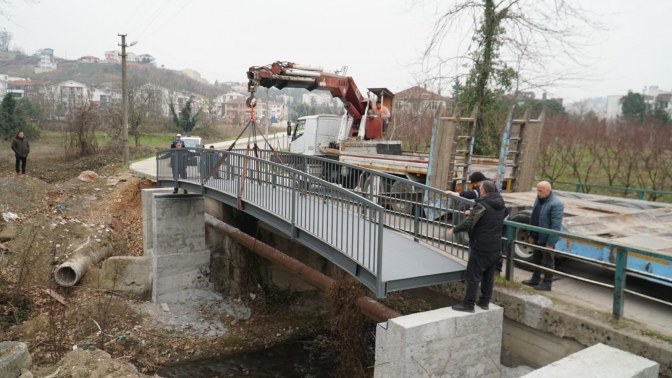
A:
x: 66, y: 275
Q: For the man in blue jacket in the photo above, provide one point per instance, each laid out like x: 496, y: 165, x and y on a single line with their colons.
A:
x: 547, y: 212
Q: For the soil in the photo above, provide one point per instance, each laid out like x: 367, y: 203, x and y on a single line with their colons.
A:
x: 58, y: 215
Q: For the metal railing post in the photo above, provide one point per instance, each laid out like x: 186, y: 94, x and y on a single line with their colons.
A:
x: 382, y: 292
x: 510, y: 236
x: 293, y: 207
x: 619, y: 282
x: 577, y: 188
x: 416, y: 223
x: 640, y: 194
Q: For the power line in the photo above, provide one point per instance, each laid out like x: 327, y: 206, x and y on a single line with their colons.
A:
x: 170, y: 19
x: 155, y: 16
x: 128, y: 21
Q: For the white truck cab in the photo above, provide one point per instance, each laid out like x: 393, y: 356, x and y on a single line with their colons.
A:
x: 192, y: 141
x: 311, y: 132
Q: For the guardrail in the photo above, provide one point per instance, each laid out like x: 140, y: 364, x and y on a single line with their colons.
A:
x: 347, y: 222
x: 412, y: 208
x: 623, y: 191
x: 620, y: 257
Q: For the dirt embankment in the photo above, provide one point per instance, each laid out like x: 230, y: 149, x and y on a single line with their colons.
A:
x: 53, y: 220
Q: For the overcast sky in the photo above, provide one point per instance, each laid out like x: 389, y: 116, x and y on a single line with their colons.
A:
x: 379, y: 40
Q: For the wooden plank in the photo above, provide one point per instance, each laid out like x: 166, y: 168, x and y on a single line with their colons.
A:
x: 442, y: 161
x: 530, y: 133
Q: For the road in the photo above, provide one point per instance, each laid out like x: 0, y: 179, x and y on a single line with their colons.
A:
x: 653, y: 315
x: 147, y: 168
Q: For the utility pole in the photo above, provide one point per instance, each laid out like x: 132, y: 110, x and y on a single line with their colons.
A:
x: 268, y: 114
x: 124, y: 95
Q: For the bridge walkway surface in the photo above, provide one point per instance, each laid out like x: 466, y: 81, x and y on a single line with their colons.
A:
x: 383, y: 248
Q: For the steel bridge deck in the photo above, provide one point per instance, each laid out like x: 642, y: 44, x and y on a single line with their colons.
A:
x: 406, y: 264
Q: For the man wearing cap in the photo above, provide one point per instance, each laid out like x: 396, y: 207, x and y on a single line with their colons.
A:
x: 383, y: 112
x: 178, y: 139
x: 484, y: 224
x: 476, y: 179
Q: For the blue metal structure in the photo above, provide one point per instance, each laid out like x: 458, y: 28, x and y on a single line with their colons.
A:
x: 624, y: 260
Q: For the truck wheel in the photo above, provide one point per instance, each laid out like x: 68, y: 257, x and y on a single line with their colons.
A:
x: 400, y: 190
x: 522, y: 252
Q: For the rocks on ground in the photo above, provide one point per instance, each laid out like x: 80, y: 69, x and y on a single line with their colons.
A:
x: 90, y: 364
x: 204, y: 317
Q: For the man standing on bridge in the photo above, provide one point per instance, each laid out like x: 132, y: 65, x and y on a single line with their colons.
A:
x: 547, y: 212
x: 484, y: 224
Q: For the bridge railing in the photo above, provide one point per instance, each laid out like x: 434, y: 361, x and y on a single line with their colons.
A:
x: 620, y: 191
x: 618, y: 260
x: 344, y: 220
x: 415, y: 209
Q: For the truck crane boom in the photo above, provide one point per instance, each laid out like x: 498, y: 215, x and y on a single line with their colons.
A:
x: 292, y: 75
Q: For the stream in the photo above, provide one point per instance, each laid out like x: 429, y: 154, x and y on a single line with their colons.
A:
x: 287, y: 360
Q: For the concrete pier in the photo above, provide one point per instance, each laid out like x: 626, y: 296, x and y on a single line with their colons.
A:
x: 599, y: 361
x: 175, y: 241
x: 440, y: 343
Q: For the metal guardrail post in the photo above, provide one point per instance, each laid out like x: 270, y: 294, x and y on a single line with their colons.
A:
x: 640, y: 195
x: 416, y: 223
x: 294, y: 184
x: 382, y: 292
x: 577, y: 188
x: 619, y: 282
x: 510, y: 235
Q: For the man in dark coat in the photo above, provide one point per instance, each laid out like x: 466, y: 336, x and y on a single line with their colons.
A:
x: 547, y: 212
x: 21, y: 149
x: 484, y: 224
x: 178, y: 163
x: 476, y: 179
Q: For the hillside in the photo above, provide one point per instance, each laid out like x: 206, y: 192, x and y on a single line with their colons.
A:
x: 98, y: 73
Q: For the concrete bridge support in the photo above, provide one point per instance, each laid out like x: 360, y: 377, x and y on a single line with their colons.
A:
x: 599, y: 360
x: 174, y: 238
x: 440, y: 343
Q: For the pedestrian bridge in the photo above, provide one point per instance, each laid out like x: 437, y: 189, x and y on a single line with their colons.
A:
x: 388, y: 232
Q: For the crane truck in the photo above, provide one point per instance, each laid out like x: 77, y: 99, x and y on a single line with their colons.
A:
x: 356, y: 137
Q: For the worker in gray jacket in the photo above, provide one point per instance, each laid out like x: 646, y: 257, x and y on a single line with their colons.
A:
x: 547, y: 212
x: 21, y: 149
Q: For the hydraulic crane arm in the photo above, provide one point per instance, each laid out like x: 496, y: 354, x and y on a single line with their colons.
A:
x: 292, y: 75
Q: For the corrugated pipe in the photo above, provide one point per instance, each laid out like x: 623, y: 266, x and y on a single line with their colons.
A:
x: 369, y: 307
x: 71, y: 271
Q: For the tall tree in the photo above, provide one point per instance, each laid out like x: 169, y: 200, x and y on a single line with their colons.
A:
x: 185, y: 121
x: 633, y: 106
x: 513, y: 45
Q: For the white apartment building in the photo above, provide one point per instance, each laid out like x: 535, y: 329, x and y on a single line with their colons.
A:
x: 47, y: 61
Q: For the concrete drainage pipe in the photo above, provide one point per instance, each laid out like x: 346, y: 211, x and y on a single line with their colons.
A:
x: 14, y: 356
x: 71, y: 271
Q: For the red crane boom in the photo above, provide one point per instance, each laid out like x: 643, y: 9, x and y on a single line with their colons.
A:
x: 292, y: 75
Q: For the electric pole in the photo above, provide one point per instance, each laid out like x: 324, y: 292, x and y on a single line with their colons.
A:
x: 124, y: 95
x: 268, y: 114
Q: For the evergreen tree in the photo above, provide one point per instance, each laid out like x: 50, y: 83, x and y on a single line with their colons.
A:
x: 184, y: 121
x: 634, y: 106
x: 12, y: 118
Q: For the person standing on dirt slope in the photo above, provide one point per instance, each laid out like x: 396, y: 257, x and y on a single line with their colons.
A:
x: 21, y: 149
x: 484, y: 224
x: 547, y: 212
x: 476, y: 179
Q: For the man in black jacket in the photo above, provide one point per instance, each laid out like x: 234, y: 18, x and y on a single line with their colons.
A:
x: 21, y: 149
x: 484, y: 224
